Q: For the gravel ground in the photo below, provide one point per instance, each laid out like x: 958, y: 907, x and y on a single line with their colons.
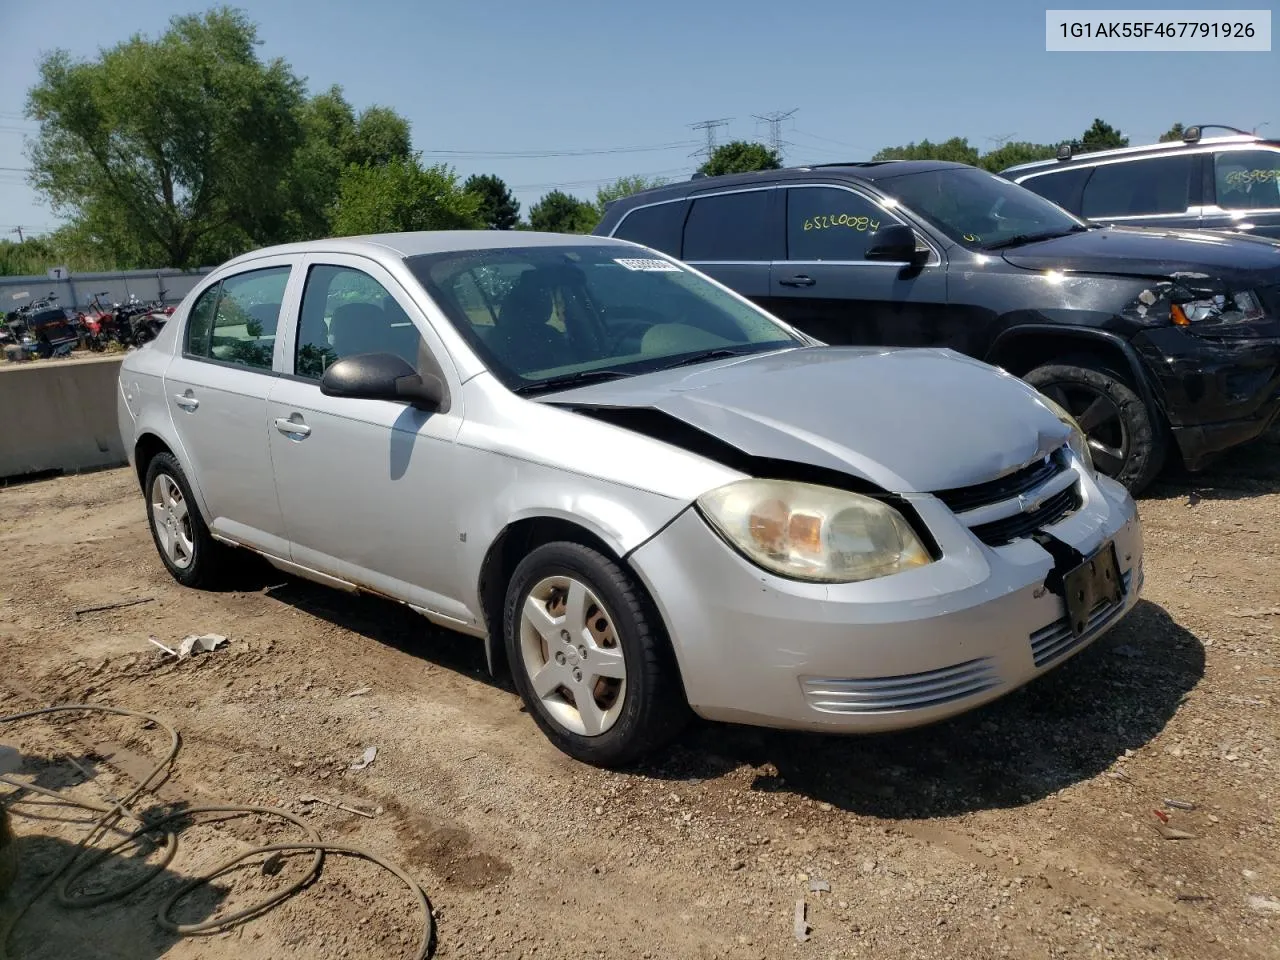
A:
x: 1024, y: 829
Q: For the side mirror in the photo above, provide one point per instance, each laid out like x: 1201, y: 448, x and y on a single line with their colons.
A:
x: 897, y: 243
x: 383, y: 376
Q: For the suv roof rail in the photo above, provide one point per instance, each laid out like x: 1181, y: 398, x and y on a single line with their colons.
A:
x: 1194, y: 133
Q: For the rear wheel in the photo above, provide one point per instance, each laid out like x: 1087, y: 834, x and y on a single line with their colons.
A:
x: 1126, y: 438
x: 589, y: 656
x: 184, y: 543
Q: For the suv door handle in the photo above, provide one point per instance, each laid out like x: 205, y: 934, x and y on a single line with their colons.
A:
x: 186, y: 401
x: 798, y: 281
x: 292, y: 428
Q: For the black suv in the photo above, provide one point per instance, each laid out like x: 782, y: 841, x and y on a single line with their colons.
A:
x: 1144, y: 336
x: 1218, y: 183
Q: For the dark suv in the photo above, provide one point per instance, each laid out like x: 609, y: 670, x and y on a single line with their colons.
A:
x: 1144, y: 336
x: 1219, y: 183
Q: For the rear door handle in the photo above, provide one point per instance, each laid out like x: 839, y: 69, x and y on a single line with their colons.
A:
x: 798, y: 281
x: 186, y: 401
x: 292, y: 428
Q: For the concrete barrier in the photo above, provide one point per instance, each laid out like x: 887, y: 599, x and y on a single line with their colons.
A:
x: 59, y: 415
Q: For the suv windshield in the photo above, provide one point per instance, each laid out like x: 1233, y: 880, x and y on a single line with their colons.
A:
x: 978, y: 209
x: 551, y: 317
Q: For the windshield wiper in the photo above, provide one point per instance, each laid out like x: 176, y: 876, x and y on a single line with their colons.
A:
x: 1018, y: 239
x: 716, y: 353
x: 579, y: 379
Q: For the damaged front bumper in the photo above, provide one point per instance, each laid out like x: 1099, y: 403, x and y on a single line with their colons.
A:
x: 1216, y: 392
x: 885, y: 654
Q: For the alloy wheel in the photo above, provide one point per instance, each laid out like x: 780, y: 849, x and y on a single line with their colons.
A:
x: 1101, y: 420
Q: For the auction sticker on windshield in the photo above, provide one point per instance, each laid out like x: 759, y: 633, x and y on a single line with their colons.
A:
x: 643, y: 263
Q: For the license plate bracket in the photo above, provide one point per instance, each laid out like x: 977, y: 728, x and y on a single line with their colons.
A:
x: 1093, y: 582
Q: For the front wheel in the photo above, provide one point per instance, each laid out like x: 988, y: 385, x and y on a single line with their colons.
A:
x: 1126, y: 438
x: 589, y: 656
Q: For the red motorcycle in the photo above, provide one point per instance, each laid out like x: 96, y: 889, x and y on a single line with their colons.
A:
x: 98, y: 324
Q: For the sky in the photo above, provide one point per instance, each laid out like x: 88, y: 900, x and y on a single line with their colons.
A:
x: 614, y: 88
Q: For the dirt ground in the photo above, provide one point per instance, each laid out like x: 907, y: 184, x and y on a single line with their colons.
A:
x: 1025, y: 829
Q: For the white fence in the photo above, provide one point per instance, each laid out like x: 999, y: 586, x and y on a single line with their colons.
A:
x: 76, y: 290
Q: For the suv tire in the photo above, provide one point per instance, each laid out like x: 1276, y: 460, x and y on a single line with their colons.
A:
x: 1127, y: 439
x: 619, y: 628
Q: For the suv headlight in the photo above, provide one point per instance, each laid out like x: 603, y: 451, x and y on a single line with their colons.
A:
x: 1218, y: 310
x: 815, y: 533
x: 1076, y: 439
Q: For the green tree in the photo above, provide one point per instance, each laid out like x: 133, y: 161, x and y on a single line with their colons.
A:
x: 403, y: 195
x: 499, y: 209
x: 379, y: 136
x: 957, y: 150
x: 557, y: 212
x: 740, y: 156
x: 334, y: 138
x: 1101, y: 136
x: 624, y: 187
x: 1173, y: 134
x: 185, y: 141
x: 1014, y: 153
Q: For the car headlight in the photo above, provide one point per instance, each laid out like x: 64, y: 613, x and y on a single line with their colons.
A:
x: 1219, y: 310
x: 1076, y: 439
x: 815, y: 533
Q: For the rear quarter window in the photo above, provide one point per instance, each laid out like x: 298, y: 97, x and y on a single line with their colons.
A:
x: 1138, y: 188
x: 1062, y: 187
x: 657, y: 226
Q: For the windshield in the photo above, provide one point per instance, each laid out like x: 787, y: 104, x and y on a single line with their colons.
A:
x: 546, y: 318
x: 978, y: 209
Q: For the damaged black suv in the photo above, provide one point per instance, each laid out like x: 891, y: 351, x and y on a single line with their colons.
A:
x: 1155, y: 340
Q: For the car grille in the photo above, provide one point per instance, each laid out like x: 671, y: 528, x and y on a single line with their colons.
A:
x: 912, y: 691
x: 999, y: 532
x: 1057, y: 639
x: 1005, y: 488
x: 1008, y: 508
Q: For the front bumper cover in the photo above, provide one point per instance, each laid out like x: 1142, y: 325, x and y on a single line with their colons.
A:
x: 886, y: 654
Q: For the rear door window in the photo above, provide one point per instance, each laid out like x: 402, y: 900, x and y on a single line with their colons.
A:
x: 657, y: 226
x: 200, y: 322
x: 1247, y: 179
x: 244, y: 324
x: 1137, y: 188
x: 729, y: 227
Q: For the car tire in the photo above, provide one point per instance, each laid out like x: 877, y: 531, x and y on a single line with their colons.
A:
x: 198, y: 560
x: 1126, y: 437
x: 648, y: 706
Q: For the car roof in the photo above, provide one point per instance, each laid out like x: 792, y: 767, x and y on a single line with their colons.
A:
x: 403, y: 245
x: 1153, y: 149
x: 869, y: 170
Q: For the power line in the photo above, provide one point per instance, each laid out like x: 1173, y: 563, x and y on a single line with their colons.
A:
x: 710, y: 127
x: 545, y: 154
x: 774, y: 120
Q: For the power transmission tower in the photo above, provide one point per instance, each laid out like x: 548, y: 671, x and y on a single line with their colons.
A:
x: 774, y: 120
x: 1001, y: 139
x: 710, y: 126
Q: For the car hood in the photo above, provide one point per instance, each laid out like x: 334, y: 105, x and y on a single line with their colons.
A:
x: 907, y: 420
x: 1147, y: 252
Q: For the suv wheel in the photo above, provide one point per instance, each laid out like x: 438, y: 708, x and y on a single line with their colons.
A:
x: 1126, y: 438
x: 589, y: 656
x: 184, y: 543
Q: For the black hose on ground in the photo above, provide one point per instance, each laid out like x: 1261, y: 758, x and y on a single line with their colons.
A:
x: 65, y: 876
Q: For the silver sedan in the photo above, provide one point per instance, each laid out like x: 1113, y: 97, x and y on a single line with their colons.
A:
x: 643, y: 494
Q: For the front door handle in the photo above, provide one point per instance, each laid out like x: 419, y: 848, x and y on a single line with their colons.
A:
x: 186, y: 401
x: 798, y: 281
x: 292, y: 428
